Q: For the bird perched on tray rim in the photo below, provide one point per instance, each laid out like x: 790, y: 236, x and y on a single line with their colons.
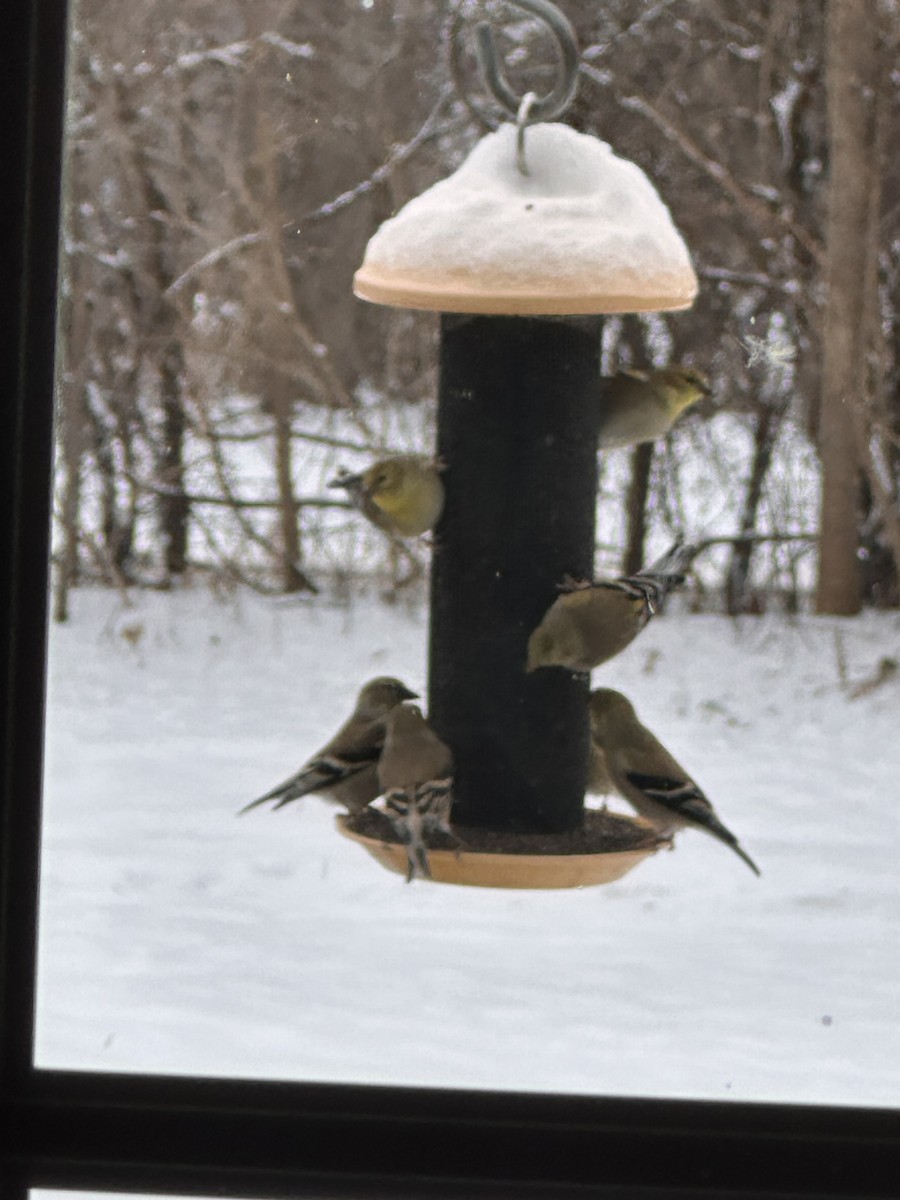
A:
x: 644, y: 772
x: 415, y: 772
x: 344, y: 771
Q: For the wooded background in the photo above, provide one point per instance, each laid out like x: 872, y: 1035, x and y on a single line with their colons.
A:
x: 227, y: 163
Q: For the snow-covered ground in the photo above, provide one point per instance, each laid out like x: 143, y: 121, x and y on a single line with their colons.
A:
x: 176, y: 937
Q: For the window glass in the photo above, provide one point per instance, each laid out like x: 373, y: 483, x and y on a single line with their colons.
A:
x: 55, y: 1194
x: 216, y: 605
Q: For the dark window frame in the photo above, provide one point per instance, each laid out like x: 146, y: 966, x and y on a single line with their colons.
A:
x: 256, y: 1139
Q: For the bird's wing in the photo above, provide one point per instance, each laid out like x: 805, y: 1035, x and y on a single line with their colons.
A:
x: 681, y: 796
x: 323, y: 771
x: 686, y: 800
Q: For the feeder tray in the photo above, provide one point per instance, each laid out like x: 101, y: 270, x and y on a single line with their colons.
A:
x: 520, y: 864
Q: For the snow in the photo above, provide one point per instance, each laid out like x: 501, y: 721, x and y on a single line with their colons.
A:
x: 177, y: 938
x: 581, y: 221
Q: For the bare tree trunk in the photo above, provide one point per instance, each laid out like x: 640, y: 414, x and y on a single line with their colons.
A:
x: 878, y: 424
x: 636, y: 507
x: 292, y: 578
x: 72, y: 446
x: 174, y: 506
x: 851, y: 59
x: 116, y: 528
x: 67, y: 566
x: 768, y: 422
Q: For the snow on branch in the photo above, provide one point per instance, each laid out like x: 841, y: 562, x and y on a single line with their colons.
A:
x: 215, y: 256
x: 228, y: 56
x: 294, y: 49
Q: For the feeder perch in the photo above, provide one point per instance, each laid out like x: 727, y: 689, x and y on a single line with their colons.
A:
x: 521, y: 265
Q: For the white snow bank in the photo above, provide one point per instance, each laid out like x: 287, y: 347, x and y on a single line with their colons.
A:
x: 584, y: 231
x: 177, y: 937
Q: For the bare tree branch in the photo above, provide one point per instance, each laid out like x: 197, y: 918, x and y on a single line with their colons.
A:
x: 754, y: 208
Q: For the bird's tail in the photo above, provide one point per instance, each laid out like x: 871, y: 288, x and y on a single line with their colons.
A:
x: 408, y: 821
x: 718, y: 830
x: 254, y: 803
x: 686, y: 800
x: 283, y: 794
x: 654, y: 582
x: 322, y: 772
x: 738, y: 849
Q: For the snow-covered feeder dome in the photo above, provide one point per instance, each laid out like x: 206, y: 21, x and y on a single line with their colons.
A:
x: 583, y: 232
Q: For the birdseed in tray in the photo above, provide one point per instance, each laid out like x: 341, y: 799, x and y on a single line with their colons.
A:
x: 602, y: 833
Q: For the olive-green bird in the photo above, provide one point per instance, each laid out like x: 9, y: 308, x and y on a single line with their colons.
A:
x: 641, y: 406
x: 591, y: 622
x: 402, y: 495
x: 648, y: 777
x: 345, y: 770
x: 416, y: 774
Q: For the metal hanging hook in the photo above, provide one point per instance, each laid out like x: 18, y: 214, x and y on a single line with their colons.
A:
x: 528, y: 101
x: 543, y: 108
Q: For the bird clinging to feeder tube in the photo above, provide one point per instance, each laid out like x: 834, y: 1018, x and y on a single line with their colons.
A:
x: 540, y: 231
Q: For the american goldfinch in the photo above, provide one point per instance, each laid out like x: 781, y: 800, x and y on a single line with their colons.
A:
x: 344, y: 771
x: 415, y: 772
x: 592, y: 622
x: 402, y: 495
x: 645, y: 773
x: 640, y: 406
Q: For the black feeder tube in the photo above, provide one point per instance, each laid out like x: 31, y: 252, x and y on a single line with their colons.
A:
x: 518, y: 416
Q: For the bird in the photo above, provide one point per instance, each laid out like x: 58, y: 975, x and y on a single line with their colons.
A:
x: 599, y: 781
x: 344, y: 771
x: 415, y: 772
x: 648, y: 777
x: 641, y: 406
x: 593, y: 621
x: 402, y: 495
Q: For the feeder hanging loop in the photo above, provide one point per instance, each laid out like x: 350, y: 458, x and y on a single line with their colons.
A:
x: 521, y: 121
x: 543, y: 108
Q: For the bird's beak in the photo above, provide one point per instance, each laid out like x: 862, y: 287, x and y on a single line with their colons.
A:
x: 408, y: 695
x: 344, y: 480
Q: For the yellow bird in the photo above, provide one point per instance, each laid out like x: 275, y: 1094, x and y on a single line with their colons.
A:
x: 402, y: 495
x: 648, y: 777
x: 640, y: 406
x: 592, y: 622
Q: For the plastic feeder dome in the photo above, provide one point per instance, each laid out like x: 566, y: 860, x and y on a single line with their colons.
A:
x: 583, y: 232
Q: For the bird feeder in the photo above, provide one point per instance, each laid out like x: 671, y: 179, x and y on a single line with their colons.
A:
x: 539, y: 232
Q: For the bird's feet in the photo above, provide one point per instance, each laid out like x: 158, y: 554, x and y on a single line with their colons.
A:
x: 571, y: 584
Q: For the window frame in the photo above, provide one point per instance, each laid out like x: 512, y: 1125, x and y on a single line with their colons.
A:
x: 92, y: 1130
